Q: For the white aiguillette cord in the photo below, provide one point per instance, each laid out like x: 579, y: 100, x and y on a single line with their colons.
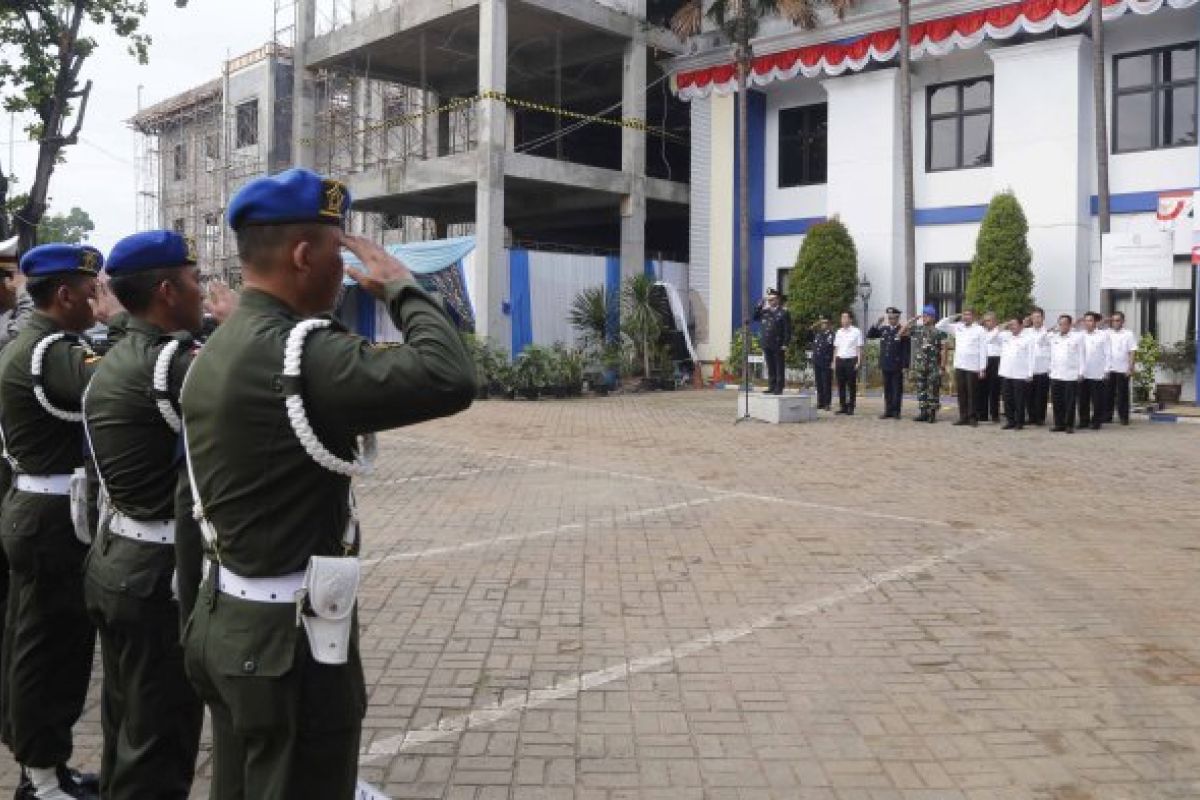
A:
x: 162, y: 393
x: 39, y: 389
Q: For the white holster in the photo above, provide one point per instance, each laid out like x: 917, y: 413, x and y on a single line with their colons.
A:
x: 79, y: 505
x: 326, y: 606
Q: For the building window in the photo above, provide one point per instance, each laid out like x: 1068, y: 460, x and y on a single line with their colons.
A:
x: 179, y: 161
x: 1168, y: 314
x: 1154, y: 99
x: 946, y: 287
x: 247, y: 124
x: 803, y: 140
x: 781, y: 279
x: 958, y: 125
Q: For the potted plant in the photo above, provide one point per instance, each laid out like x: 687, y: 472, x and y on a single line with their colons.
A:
x: 569, y: 363
x: 531, y: 372
x: 639, y: 319
x: 1178, y: 359
x: 1148, y: 356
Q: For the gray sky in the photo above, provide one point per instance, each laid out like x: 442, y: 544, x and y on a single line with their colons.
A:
x: 189, y: 46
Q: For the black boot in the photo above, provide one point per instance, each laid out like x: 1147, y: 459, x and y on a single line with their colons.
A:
x: 922, y: 417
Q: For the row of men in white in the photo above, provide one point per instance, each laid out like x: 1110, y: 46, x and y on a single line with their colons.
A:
x: 1028, y: 350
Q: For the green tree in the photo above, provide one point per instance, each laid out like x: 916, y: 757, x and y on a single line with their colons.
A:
x: 639, y: 320
x: 74, y: 227
x: 1001, y: 279
x: 825, y: 279
x: 42, y: 56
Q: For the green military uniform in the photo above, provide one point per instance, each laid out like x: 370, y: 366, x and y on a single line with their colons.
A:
x: 150, y: 715
x: 927, y: 344
x: 287, y: 726
x: 49, y: 640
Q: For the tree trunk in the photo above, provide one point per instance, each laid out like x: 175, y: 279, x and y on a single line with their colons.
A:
x: 743, y: 189
x: 1100, y: 104
x: 52, y: 140
x: 906, y: 140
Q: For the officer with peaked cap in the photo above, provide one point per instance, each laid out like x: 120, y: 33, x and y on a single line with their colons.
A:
x: 272, y: 408
x: 49, y: 640
x: 150, y: 716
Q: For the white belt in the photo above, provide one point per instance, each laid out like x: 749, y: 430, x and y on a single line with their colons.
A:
x: 44, y: 484
x: 281, y: 589
x: 161, y: 531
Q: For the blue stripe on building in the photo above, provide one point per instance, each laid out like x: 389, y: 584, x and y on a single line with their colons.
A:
x: 756, y: 112
x: 612, y: 288
x: 518, y: 292
x: 790, y: 227
x: 365, y: 315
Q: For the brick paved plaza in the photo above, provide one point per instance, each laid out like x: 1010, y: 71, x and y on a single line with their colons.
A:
x: 631, y: 597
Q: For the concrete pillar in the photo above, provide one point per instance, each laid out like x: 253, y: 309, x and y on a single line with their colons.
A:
x: 633, y: 154
x: 443, y: 132
x: 1056, y: 152
x: 491, y: 263
x: 865, y: 183
x: 304, y: 102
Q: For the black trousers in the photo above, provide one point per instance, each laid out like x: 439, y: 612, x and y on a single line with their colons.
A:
x: 967, y: 383
x: 1037, y: 392
x: 847, y: 378
x: 1118, y: 397
x: 774, y: 358
x: 991, y: 387
x: 824, y: 377
x: 1014, y: 401
x: 1062, y: 396
x: 1092, y: 397
x: 893, y: 391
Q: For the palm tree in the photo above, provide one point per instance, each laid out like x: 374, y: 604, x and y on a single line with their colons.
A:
x: 739, y: 19
x: 906, y: 149
x: 638, y: 317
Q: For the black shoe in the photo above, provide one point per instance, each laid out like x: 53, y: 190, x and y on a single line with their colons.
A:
x: 1095, y: 426
x: 921, y: 418
x: 1124, y: 422
x: 1057, y: 429
x: 850, y: 412
x: 961, y: 422
x: 69, y: 777
x: 1070, y: 429
x: 932, y: 419
x: 1008, y: 426
x: 974, y: 423
x: 1018, y: 427
x: 841, y: 411
x: 885, y: 416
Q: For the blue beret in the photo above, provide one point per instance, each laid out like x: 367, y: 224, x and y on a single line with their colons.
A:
x: 930, y: 310
x: 47, y: 260
x: 150, y: 250
x: 295, y: 195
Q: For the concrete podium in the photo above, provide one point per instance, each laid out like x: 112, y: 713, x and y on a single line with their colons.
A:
x: 778, y: 409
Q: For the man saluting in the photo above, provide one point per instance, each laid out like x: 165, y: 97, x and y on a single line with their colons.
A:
x: 272, y: 407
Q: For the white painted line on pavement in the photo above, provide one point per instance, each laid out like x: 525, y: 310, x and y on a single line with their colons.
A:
x: 450, y: 727
x: 541, y: 462
x: 371, y: 484
x: 524, y: 537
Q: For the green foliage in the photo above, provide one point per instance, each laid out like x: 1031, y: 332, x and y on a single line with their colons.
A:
x: 802, y: 13
x: 825, y: 279
x: 639, y: 320
x: 737, y: 353
x: 589, y: 314
x: 491, y: 364
x: 1179, y: 357
x: 532, y: 371
x: 1001, y: 279
x: 1149, y: 354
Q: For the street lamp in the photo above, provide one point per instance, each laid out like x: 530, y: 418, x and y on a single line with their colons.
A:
x: 864, y: 292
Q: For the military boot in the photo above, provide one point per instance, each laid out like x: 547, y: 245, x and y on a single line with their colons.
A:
x: 57, y: 783
x: 922, y: 417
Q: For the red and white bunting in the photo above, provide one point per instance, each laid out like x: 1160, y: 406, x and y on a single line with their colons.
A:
x: 935, y: 37
x: 1173, y: 206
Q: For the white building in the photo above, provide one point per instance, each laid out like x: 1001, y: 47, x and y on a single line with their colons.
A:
x: 1001, y: 99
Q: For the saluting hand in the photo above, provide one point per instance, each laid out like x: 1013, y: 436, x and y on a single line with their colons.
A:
x: 379, y: 266
x: 221, y: 301
x: 105, y: 304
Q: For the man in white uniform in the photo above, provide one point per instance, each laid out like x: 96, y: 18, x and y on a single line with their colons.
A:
x: 1066, y: 369
x: 1122, y: 355
x: 991, y: 385
x: 1039, y: 384
x: 970, y: 362
x: 1016, y: 370
x: 847, y: 353
x: 1093, y: 394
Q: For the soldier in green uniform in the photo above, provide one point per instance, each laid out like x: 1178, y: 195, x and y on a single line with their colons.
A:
x: 272, y: 407
x: 49, y: 640
x: 928, y: 359
x: 150, y: 715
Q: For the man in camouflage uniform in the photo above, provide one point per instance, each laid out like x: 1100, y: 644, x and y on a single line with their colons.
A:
x: 928, y: 355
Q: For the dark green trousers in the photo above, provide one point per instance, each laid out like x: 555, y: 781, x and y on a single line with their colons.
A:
x: 49, y: 641
x: 284, y: 726
x: 150, y: 715
x: 5, y: 482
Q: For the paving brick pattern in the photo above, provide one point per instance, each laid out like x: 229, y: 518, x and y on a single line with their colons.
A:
x: 632, y: 597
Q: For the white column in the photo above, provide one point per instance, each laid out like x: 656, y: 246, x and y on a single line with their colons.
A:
x: 723, y: 119
x: 1042, y: 145
x: 865, y: 183
x: 491, y: 261
x: 633, y: 156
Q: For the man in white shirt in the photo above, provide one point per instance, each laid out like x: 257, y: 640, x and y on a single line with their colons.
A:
x: 1093, y: 395
x: 1016, y: 369
x: 1122, y: 355
x: 991, y: 386
x: 1066, y: 369
x: 847, y: 353
x: 1039, y: 384
x: 970, y: 362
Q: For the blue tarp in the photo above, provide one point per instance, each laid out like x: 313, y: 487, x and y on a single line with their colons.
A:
x: 422, y: 258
